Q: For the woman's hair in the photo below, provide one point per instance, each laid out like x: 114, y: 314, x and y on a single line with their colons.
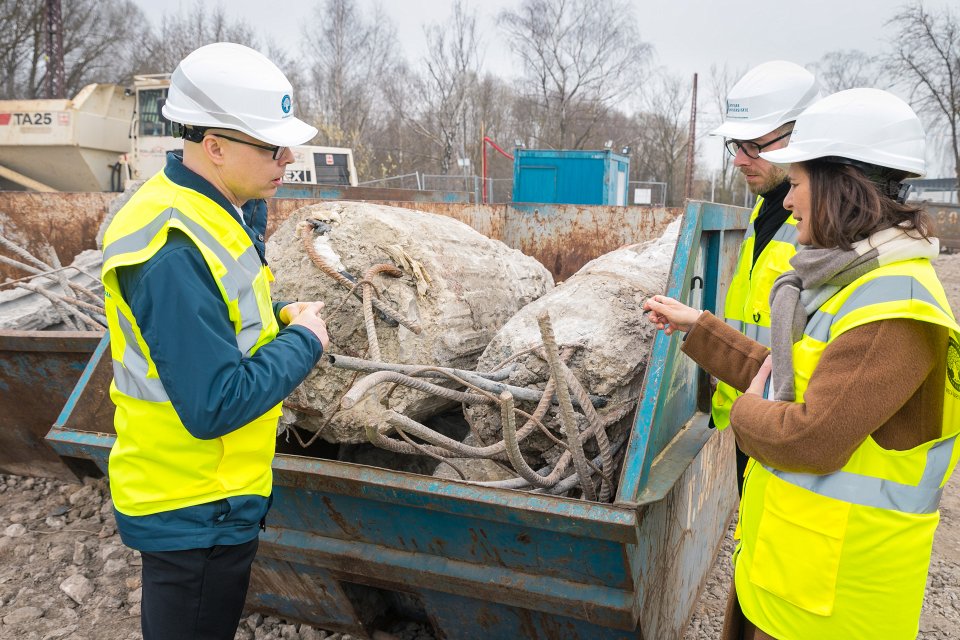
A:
x: 850, y: 206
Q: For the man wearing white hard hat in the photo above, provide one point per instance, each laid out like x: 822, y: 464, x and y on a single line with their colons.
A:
x: 761, y: 109
x: 202, y: 357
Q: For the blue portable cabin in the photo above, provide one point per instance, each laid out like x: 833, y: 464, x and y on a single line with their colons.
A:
x: 570, y: 176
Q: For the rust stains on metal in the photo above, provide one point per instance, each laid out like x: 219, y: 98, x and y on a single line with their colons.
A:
x: 339, y: 520
x: 66, y: 221
x: 562, y: 237
x: 946, y: 220
x: 486, y: 219
x: 38, y: 370
x: 565, y: 237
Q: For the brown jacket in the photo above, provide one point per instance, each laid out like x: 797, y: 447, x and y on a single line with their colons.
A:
x: 884, y: 379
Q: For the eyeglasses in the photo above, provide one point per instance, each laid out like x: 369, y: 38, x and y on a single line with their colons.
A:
x: 751, y: 149
x: 276, y: 151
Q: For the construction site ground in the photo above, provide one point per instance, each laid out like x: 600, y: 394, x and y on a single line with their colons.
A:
x: 64, y: 573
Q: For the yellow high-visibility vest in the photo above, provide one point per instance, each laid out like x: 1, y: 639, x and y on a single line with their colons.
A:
x: 747, y: 304
x: 845, y: 555
x: 156, y: 464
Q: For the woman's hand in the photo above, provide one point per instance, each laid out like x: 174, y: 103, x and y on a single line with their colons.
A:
x: 670, y: 315
x: 759, y: 382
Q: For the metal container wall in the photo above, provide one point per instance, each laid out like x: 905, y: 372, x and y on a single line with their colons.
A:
x: 38, y: 371
x: 946, y: 218
x: 347, y: 545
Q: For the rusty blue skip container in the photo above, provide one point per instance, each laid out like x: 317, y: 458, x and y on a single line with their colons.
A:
x: 348, y: 546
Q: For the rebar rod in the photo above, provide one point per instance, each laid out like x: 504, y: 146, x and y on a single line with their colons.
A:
x: 65, y: 306
x: 599, y: 432
x: 367, y: 383
x: 359, y: 364
x: 513, y: 447
x: 485, y: 381
x: 23, y: 253
x: 567, y: 420
x: 325, y: 267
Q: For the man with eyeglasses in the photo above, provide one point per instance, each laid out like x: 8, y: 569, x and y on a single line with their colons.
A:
x: 761, y: 109
x: 202, y: 357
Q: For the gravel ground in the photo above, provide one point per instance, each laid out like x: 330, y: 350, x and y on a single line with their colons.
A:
x: 65, y: 574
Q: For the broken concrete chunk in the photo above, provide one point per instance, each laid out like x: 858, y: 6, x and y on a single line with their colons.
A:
x: 456, y: 285
x: 597, y: 317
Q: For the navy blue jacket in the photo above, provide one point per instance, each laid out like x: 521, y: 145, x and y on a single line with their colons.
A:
x: 213, y: 388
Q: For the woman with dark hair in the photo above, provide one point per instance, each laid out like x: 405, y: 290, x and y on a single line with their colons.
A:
x: 853, y: 436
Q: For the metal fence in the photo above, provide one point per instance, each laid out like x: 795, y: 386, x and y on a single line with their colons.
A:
x: 497, y: 189
x: 648, y: 193
x: 405, y: 181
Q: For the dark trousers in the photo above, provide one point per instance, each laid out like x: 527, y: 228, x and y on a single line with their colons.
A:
x: 196, y: 594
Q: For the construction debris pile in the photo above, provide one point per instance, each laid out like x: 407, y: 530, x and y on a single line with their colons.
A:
x: 50, y: 296
x: 401, y: 287
x: 447, y: 347
x: 604, y: 342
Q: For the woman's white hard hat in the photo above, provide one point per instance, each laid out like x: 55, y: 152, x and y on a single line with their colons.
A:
x: 768, y: 96
x: 230, y: 86
x: 867, y: 125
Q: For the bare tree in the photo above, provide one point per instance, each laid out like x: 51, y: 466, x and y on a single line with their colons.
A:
x: 727, y: 179
x: 350, y: 58
x: 191, y: 28
x: 926, y: 59
x: 580, y: 58
x: 662, y: 125
x: 847, y: 69
x: 451, y: 68
x: 99, y: 44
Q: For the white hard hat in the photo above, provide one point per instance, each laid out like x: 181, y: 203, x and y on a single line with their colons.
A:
x: 867, y: 125
x: 769, y: 95
x: 230, y: 86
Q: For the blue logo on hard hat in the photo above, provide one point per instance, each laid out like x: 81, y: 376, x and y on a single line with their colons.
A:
x: 285, y: 103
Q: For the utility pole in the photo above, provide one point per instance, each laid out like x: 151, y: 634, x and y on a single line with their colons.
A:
x: 691, y: 143
x: 53, y: 27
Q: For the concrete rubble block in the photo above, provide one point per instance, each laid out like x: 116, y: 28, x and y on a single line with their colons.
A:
x: 62, y: 632
x: 78, y: 587
x: 22, y: 615
x: 114, y: 565
x: 22, y: 310
x: 457, y: 284
x: 597, y: 316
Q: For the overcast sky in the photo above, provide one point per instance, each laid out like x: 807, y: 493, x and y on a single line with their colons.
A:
x: 687, y: 35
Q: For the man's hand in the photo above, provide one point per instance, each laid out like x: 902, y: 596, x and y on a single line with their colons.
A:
x: 291, y: 311
x: 307, y: 314
x: 670, y: 315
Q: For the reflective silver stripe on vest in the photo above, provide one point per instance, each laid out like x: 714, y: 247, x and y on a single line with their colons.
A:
x: 877, y: 291
x: 236, y: 282
x: 753, y: 331
x: 787, y: 233
x: 131, y: 375
x: 877, y: 492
